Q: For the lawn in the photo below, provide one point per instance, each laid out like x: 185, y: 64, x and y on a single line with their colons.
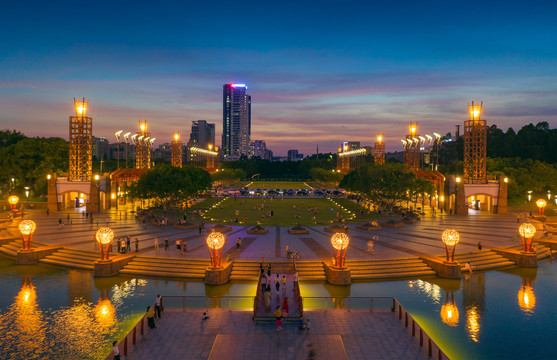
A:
x: 278, y: 185
x: 286, y: 212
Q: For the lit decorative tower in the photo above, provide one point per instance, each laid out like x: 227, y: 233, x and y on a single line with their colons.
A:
x: 475, y: 146
x: 343, y: 161
x: 412, y: 146
x: 176, y: 148
x: 81, y: 149
x: 143, y: 143
x: 379, y: 150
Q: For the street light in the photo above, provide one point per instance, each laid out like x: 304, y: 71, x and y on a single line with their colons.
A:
x: 27, y: 192
x: 340, y: 243
x: 527, y: 232
x: 540, y: 203
x: 118, y: 147
x: 27, y: 228
x: 215, y: 242
x: 126, y: 136
x: 450, y: 237
x: 529, y: 195
x: 104, y: 237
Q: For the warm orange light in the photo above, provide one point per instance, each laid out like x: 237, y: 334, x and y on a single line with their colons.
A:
x: 345, y: 147
x: 105, y: 314
x: 458, y: 179
x: 48, y: 177
x: 215, y: 240
x: 13, y: 200
x: 80, y: 107
x: 450, y: 237
x: 473, y: 323
x: 142, y: 127
x: 210, y: 147
x: 527, y: 230
x: 506, y: 180
x: 442, y: 198
x: 540, y: 203
x: 176, y: 136
x: 526, y: 298
x: 379, y: 138
x: 449, y: 314
x: 475, y: 109
x: 104, y: 235
x: 340, y: 241
x: 27, y: 227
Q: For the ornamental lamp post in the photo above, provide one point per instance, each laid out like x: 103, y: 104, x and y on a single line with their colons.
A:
x: 527, y: 232
x: 13, y: 200
x: 450, y: 237
x: 126, y: 137
x: 340, y: 243
x: 540, y: 203
x: 118, y: 147
x: 27, y: 228
x: 215, y: 242
x: 104, y: 237
x: 529, y: 195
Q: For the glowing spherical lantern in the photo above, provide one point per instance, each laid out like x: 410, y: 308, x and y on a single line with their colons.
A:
x: 215, y: 242
x: 540, y: 203
x: 340, y: 243
x: 527, y: 232
x: 13, y: 200
x: 449, y: 314
x: 450, y: 237
x: 27, y: 228
x: 104, y: 237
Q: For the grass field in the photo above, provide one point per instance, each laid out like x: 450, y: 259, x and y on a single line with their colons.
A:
x: 278, y: 185
x: 285, y: 211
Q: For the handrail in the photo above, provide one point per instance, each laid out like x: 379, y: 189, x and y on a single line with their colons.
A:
x: 208, y: 299
x: 433, y: 350
x: 123, y: 344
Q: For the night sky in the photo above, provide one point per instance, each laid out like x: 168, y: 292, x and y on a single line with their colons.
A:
x: 319, y: 73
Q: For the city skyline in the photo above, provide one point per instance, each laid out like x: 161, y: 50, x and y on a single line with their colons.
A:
x: 318, y: 75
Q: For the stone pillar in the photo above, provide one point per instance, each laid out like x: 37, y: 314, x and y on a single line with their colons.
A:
x: 93, y: 205
x: 337, y: 276
x: 460, y: 198
x: 502, y: 197
x: 520, y: 258
x: 52, y: 196
x: 445, y: 269
x: 103, y: 268
x: 32, y: 256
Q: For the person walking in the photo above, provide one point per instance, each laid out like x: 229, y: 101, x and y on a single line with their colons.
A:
x: 308, y: 325
x: 136, y: 244
x: 238, y: 243
x: 156, y: 241
x: 116, y: 350
x: 178, y: 245
x: 284, y: 284
x: 184, y: 247
x: 151, y: 317
x: 277, y: 284
x: 295, y: 282
x: 278, y: 318
x: 285, y: 302
x: 263, y: 283
x: 129, y: 244
x: 267, y: 298
x: 119, y: 245
x: 165, y: 244
x: 479, y: 246
x: 158, y: 301
x: 269, y: 271
x: 123, y: 246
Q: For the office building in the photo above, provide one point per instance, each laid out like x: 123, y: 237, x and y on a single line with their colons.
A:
x: 236, y: 121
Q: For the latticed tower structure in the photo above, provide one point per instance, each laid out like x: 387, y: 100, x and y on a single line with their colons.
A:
x: 412, y: 146
x: 143, y: 143
x: 343, y: 161
x: 379, y: 150
x: 176, y: 148
x: 475, y: 146
x: 81, y: 150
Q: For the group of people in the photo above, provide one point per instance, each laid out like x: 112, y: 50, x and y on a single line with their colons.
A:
x: 181, y: 245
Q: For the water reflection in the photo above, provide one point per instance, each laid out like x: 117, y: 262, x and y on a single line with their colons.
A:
x: 449, y: 311
x: 473, y: 300
x: 526, y: 297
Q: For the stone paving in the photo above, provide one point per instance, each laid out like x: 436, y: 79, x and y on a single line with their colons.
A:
x: 335, y: 334
x: 407, y: 241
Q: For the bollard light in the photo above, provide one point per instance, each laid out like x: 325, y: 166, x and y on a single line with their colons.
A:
x: 27, y: 228
x: 527, y: 232
x: 450, y: 237
x: 215, y: 242
x: 340, y: 243
x: 104, y: 237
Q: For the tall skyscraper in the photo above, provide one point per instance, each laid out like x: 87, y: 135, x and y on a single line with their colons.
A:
x: 202, y: 134
x: 236, y: 121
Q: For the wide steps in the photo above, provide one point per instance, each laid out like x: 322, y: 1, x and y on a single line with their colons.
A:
x: 312, y: 277
x: 188, y: 275
x: 243, y: 277
x: 393, y: 275
x: 69, y: 260
x: 66, y: 264
x: 152, y: 259
x: 161, y: 268
x: 389, y: 270
x: 385, y: 262
x: 270, y: 318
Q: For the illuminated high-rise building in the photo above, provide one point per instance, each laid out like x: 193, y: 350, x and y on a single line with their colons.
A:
x: 236, y: 121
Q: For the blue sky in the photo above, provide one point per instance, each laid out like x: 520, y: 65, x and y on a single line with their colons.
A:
x: 318, y: 72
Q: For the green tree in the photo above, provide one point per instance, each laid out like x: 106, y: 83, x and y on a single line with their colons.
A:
x: 227, y: 177
x: 385, y: 184
x: 330, y: 178
x: 170, y: 186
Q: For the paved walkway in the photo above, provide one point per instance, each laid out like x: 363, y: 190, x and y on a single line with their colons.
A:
x: 407, y: 241
x: 335, y: 334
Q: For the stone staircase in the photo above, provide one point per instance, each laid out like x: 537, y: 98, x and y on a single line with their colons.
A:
x: 80, y: 259
x: 10, y: 249
x: 165, y: 267
x: 388, y: 268
x: 541, y: 250
x: 245, y: 270
x: 310, y: 271
x: 484, y: 260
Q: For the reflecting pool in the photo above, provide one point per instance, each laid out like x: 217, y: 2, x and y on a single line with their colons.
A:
x: 48, y: 312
